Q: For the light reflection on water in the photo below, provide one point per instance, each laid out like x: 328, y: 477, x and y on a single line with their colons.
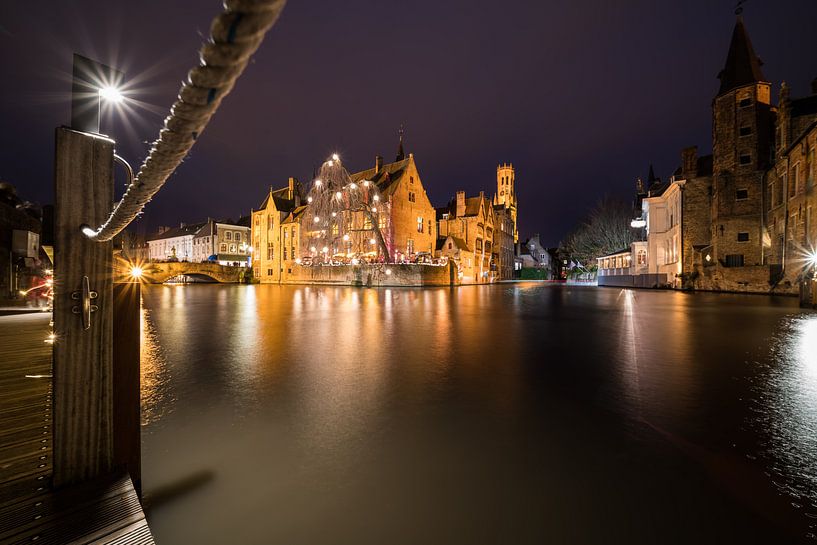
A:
x: 512, y: 413
x: 785, y: 407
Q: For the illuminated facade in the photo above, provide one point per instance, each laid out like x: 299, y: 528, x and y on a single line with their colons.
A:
x: 472, y: 221
x: 275, y: 232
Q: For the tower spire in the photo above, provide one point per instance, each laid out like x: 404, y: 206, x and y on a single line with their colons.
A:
x: 742, y: 64
x: 400, y: 153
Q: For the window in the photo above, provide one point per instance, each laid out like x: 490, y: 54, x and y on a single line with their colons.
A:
x: 419, y: 225
x: 734, y: 260
x: 381, y: 222
x: 269, y: 272
x: 409, y: 246
x: 270, y: 251
x: 223, y: 247
x: 478, y: 245
x: 745, y: 159
x: 745, y: 102
x: 429, y: 228
x: 367, y: 222
x: 285, y: 253
x: 745, y: 131
x: 411, y: 179
x: 411, y: 197
x: 811, y: 168
x: 450, y: 246
x: 641, y: 257
x: 741, y: 194
x: 795, y: 178
x: 232, y: 248
x: 229, y: 235
x: 743, y: 237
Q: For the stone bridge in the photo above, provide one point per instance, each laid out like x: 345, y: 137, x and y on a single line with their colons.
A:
x: 159, y: 273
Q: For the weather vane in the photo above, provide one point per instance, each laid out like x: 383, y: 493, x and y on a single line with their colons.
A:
x: 739, y: 7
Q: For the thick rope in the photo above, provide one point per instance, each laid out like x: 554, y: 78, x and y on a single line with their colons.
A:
x: 234, y: 36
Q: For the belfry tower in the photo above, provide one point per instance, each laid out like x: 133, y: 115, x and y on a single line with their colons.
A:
x: 506, y: 193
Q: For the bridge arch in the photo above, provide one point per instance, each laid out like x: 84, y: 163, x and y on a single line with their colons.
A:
x: 159, y: 273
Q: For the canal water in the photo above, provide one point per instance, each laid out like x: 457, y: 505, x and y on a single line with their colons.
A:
x: 516, y: 413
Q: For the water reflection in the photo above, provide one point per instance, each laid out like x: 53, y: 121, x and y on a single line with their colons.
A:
x: 449, y: 415
x: 786, y: 412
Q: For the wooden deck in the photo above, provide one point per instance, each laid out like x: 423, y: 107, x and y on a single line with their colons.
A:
x: 102, y: 511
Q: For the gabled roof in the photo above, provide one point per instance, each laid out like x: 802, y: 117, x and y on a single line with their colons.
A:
x: 189, y: 229
x: 386, y: 178
x: 295, y: 215
x: 279, y: 197
x: 458, y: 242
x: 742, y: 65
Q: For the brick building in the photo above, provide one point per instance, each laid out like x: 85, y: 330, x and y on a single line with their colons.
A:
x: 791, y: 198
x: 411, y: 226
x: 274, y: 233
x: 746, y: 220
x: 506, y: 234
x: 471, y: 222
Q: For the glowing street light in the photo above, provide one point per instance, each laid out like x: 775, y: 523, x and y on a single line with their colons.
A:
x: 136, y: 272
x: 92, y: 82
x: 111, y: 94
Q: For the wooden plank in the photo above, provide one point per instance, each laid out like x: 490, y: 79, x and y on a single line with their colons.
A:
x: 105, y: 510
x: 127, y: 439
x: 83, y: 411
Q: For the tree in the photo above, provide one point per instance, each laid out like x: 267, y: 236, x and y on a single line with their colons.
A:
x: 605, y: 230
x: 343, y: 218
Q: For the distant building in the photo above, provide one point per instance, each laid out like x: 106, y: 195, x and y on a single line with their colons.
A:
x: 21, y: 258
x: 225, y: 242
x: 275, y: 232
x: 412, y: 228
x: 173, y: 243
x: 471, y: 220
x: 506, y: 233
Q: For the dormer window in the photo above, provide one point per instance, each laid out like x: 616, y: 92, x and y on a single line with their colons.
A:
x: 745, y: 102
x: 745, y: 159
x: 745, y: 131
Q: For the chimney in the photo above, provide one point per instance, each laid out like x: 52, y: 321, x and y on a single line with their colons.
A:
x: 378, y: 164
x: 689, y: 162
x: 460, y: 204
x: 291, y: 189
x: 814, y: 86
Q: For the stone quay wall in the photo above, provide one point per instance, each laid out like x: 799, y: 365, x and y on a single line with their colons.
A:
x: 753, y: 279
x: 386, y: 275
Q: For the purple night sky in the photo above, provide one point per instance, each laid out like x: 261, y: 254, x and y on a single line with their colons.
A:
x: 579, y: 96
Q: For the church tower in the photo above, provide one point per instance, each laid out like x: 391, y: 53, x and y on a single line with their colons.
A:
x: 506, y: 193
x: 742, y: 141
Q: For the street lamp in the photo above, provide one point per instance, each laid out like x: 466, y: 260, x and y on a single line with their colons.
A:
x: 91, y: 83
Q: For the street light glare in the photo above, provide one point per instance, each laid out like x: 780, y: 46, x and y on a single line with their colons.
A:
x: 136, y: 272
x: 111, y: 94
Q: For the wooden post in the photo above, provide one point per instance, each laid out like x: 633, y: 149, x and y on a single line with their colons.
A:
x: 83, y: 309
x: 126, y: 410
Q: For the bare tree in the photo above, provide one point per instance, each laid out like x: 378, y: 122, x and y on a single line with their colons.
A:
x: 605, y: 230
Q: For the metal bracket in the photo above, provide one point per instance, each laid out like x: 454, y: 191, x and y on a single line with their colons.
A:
x: 85, y: 308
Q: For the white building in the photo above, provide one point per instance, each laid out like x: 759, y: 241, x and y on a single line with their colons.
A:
x: 661, y: 210
x: 173, y: 243
x: 225, y: 242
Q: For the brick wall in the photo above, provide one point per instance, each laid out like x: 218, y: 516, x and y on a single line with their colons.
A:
x: 373, y: 275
